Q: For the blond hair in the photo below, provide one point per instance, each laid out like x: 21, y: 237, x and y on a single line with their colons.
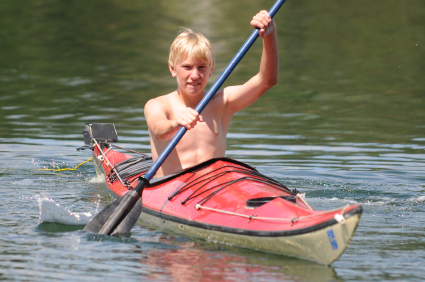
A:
x: 189, y: 43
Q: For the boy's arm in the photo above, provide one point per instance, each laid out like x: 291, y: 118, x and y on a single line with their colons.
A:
x: 161, y: 126
x: 241, y: 96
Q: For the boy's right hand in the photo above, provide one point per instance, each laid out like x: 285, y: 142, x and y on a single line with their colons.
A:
x: 188, y: 118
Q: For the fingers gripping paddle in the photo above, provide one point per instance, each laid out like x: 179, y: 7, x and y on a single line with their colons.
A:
x: 120, y: 216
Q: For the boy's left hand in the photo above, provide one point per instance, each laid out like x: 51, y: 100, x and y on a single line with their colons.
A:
x: 264, y: 22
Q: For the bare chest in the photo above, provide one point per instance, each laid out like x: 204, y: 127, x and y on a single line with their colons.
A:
x: 211, y: 132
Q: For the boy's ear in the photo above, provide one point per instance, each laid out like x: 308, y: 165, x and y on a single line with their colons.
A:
x: 173, y: 72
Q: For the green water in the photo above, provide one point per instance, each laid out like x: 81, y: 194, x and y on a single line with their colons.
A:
x: 345, y: 124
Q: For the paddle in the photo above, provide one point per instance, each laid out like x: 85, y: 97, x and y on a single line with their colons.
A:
x: 120, y: 216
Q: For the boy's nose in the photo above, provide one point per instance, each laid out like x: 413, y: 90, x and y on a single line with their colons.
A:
x: 195, y: 73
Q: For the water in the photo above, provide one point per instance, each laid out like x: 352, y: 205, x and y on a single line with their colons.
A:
x: 344, y: 125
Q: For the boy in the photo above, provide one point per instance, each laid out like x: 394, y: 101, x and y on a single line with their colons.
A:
x: 191, y: 62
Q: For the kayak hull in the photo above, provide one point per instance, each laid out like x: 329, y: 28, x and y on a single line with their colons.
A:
x: 283, y: 224
x: 311, y: 246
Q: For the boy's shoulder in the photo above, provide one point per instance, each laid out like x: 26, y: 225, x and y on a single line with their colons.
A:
x: 160, y: 103
x: 160, y: 100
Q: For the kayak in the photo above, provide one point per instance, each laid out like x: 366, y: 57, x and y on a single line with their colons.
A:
x: 226, y: 201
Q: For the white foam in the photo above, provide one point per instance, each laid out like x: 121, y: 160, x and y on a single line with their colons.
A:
x: 420, y: 199
x: 50, y: 211
x: 97, y: 179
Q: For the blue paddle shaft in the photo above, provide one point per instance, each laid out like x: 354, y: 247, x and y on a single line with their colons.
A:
x: 211, y: 92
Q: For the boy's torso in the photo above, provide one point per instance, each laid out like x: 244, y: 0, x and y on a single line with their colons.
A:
x: 205, y: 141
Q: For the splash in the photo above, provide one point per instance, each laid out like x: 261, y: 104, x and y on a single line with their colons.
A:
x: 97, y: 179
x: 51, y: 211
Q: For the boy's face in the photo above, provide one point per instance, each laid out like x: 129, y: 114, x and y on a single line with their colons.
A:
x: 192, y: 75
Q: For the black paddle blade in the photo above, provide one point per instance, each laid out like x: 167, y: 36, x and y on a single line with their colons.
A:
x: 96, y: 223
x: 120, y: 216
x: 130, y: 220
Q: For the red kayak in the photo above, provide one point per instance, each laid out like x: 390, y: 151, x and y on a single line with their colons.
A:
x: 226, y: 201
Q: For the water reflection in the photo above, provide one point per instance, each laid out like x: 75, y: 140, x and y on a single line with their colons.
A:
x: 191, y: 261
